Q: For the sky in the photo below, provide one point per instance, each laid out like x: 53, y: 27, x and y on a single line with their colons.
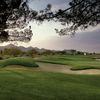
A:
x: 44, y: 35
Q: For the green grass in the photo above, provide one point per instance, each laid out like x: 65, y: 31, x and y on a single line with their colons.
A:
x: 78, y: 62
x: 25, y: 84
x: 28, y: 62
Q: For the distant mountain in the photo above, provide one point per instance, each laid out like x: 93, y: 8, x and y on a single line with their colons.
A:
x: 40, y: 51
x: 18, y: 47
x: 22, y: 48
x: 7, y: 46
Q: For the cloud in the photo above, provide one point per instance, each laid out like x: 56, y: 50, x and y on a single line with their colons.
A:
x: 44, y: 35
x: 41, y: 4
x: 87, y: 41
x: 59, y: 6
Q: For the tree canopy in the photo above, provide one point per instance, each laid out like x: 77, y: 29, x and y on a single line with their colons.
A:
x: 15, y: 16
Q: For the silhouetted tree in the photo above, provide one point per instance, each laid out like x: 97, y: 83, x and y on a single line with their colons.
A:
x: 17, y: 14
x: 81, y: 14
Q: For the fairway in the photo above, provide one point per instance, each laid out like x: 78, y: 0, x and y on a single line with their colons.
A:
x: 27, y: 84
x: 22, y: 79
x: 77, y: 62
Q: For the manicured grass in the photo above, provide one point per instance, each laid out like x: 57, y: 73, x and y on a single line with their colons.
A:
x: 78, y: 62
x: 24, y: 84
x: 28, y: 62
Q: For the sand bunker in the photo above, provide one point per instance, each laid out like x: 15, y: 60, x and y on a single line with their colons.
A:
x: 65, y: 69
x: 56, y: 68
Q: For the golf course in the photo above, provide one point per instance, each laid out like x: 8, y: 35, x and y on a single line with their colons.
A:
x: 49, y: 49
x: 58, y: 77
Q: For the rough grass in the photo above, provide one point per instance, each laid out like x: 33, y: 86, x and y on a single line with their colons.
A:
x: 28, y: 62
x: 78, y: 62
x: 20, y: 84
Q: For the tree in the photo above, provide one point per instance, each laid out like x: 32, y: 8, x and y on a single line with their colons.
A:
x: 16, y: 14
x: 12, y: 52
x: 32, y: 53
x: 81, y: 14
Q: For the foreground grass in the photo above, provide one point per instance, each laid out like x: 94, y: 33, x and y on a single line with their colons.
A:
x: 78, y: 62
x: 22, y: 84
x: 28, y: 62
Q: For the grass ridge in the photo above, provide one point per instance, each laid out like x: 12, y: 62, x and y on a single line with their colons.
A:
x: 23, y: 61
